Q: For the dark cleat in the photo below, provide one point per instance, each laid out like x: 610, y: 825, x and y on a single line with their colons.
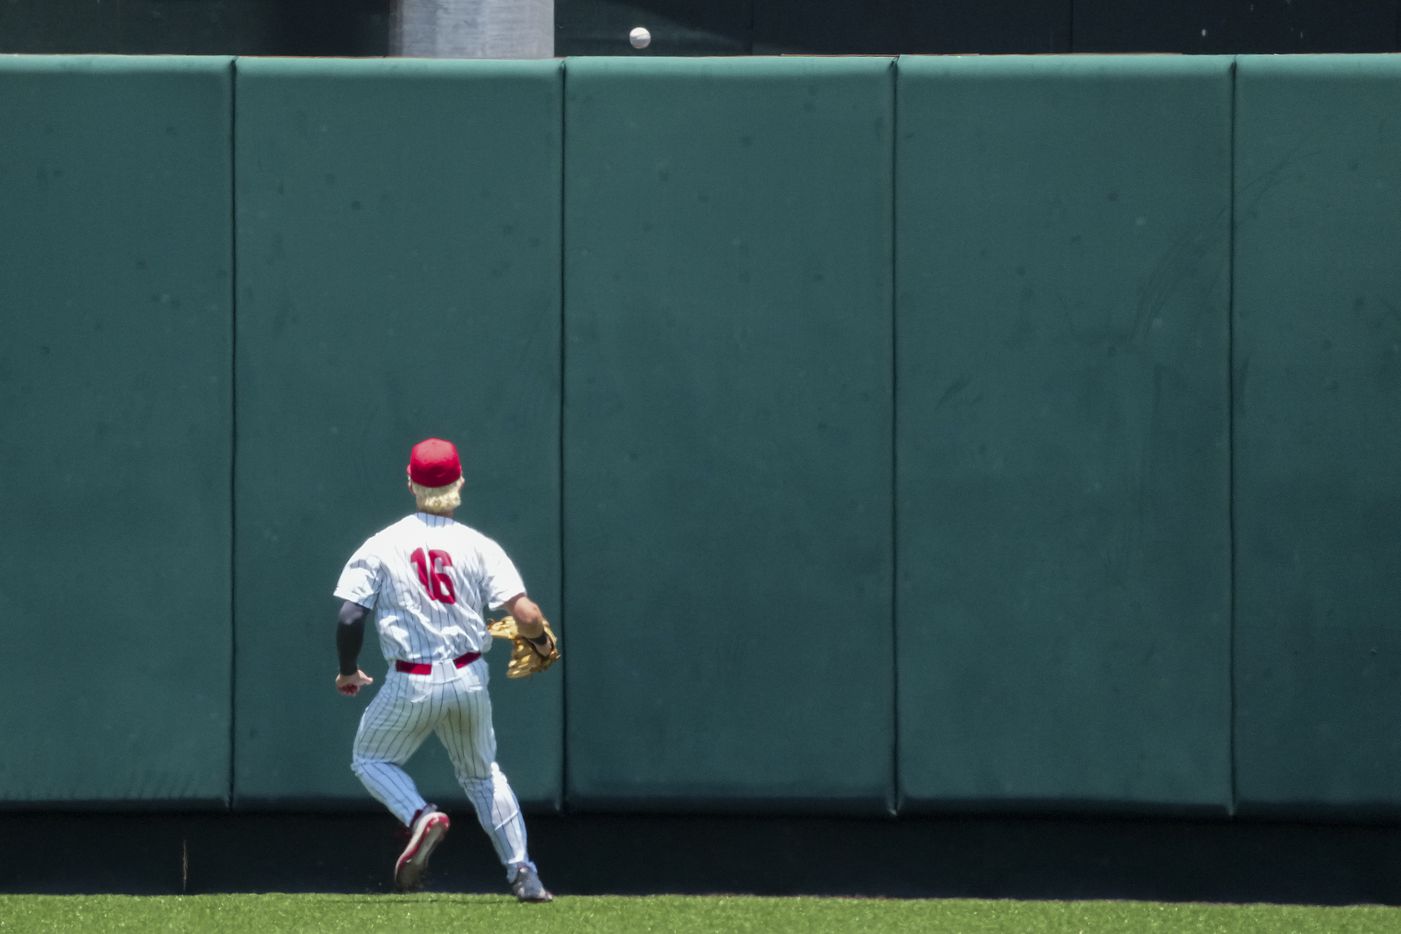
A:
x: 528, y: 887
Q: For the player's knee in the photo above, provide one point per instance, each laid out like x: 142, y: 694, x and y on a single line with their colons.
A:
x: 477, y: 777
x: 470, y: 780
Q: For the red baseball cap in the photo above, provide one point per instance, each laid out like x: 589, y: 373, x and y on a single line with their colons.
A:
x: 434, y: 463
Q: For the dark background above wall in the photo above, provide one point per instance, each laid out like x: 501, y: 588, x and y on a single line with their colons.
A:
x: 726, y: 27
x: 196, y: 27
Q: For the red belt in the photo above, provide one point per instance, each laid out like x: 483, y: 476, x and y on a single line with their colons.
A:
x: 419, y: 668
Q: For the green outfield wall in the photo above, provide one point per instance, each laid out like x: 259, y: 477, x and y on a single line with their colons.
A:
x: 921, y: 435
x: 116, y: 263
x: 399, y: 277
x: 1063, y: 456
x: 1317, y: 367
x: 728, y: 432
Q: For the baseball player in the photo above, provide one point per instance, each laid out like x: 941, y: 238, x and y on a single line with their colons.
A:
x: 429, y: 580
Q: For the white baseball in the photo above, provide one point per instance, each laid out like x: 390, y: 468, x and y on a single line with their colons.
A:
x: 640, y: 37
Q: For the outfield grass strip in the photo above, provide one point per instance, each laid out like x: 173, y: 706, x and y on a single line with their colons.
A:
x: 431, y: 912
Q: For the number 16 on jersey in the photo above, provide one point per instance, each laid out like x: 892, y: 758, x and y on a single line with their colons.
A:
x: 432, y: 576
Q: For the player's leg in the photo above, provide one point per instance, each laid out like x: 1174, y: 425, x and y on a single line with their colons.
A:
x: 394, y: 725
x: 467, y: 734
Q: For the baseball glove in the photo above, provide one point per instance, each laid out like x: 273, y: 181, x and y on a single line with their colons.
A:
x: 527, y: 658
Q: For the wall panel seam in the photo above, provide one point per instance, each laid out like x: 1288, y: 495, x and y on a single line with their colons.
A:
x: 233, y: 425
x: 1231, y: 608
x: 895, y: 796
x: 563, y: 448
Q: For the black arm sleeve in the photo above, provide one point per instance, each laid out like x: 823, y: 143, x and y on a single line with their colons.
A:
x: 350, y: 634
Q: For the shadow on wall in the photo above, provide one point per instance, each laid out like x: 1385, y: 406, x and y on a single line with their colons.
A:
x: 939, y: 858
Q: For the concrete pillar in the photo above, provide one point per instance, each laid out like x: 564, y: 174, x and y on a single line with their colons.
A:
x: 472, y: 28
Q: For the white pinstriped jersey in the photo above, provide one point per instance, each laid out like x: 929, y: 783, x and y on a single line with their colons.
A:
x: 430, y: 581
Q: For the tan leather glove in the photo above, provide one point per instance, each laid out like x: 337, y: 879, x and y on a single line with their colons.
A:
x: 527, y: 658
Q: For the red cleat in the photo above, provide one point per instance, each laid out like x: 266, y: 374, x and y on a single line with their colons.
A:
x: 428, y: 829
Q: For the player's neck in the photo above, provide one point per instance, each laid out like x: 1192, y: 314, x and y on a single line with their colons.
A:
x: 434, y: 512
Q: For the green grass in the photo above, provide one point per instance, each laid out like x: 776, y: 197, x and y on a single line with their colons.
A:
x: 422, y: 914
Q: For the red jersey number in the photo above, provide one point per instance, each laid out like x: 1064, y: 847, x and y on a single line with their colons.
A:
x: 433, y: 578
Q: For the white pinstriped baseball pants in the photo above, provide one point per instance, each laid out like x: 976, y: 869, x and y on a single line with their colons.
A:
x: 452, y: 702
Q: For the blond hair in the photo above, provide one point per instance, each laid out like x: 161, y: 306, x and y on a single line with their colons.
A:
x: 438, y: 499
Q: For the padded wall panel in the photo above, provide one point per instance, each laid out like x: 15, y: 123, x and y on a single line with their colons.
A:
x: 115, y: 417
x: 1318, y: 434
x: 398, y: 237
x: 727, y: 433
x: 1063, y: 599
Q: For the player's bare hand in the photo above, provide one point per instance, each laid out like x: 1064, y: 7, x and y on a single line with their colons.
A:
x: 350, y: 685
